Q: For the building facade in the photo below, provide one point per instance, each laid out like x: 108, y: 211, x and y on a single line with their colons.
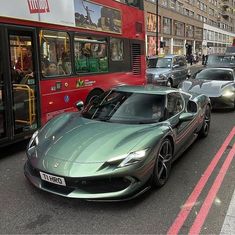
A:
x: 189, y: 26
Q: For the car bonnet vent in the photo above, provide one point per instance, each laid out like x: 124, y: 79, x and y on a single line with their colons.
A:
x: 136, y: 59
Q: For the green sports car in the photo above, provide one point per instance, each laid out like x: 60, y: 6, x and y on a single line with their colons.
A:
x: 118, y: 145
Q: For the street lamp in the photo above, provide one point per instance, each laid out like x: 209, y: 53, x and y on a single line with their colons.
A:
x: 156, y: 27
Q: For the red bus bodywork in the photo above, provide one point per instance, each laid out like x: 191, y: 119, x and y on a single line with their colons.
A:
x: 54, y: 101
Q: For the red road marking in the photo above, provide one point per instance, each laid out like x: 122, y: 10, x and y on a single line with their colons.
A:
x: 201, y: 216
x: 188, y: 205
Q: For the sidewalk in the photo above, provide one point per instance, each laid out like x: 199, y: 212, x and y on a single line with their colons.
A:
x: 199, y: 64
x: 229, y: 222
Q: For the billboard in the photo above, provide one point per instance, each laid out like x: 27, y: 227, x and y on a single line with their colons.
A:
x: 97, y: 17
x: 48, y: 11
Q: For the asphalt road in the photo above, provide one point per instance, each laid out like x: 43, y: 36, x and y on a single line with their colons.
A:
x: 25, y: 209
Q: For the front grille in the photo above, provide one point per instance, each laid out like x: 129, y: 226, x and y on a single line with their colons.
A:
x: 57, y: 188
x: 88, y: 185
x: 100, y: 185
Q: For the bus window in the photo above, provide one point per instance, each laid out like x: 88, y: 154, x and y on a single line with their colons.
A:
x: 2, y: 105
x: 55, y: 53
x: 90, y: 55
x: 116, y: 48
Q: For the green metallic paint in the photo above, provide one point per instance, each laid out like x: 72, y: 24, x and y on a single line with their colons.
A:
x: 75, y: 147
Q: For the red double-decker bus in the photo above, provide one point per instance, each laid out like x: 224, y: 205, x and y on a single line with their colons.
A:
x: 56, y: 52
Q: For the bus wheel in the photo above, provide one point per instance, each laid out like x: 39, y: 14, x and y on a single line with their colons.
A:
x: 93, y: 94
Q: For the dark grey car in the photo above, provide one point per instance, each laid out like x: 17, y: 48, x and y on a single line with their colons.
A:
x: 167, y: 71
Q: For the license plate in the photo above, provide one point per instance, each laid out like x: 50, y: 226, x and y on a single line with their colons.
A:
x: 52, y: 179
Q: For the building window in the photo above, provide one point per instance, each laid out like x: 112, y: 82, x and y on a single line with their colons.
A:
x: 151, y: 22
x: 167, y: 25
x: 178, y: 28
x: 189, y: 31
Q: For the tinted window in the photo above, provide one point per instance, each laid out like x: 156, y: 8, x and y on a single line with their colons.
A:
x: 215, y: 74
x: 175, y: 104
x: 152, y: 62
x: 222, y: 60
x: 126, y: 107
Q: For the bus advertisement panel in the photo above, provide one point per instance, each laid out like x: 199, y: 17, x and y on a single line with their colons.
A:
x: 56, y: 52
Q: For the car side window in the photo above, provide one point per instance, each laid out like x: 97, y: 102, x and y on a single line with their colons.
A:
x: 175, y: 61
x: 175, y: 104
x: 181, y: 62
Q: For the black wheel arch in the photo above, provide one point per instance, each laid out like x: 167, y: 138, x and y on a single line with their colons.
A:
x: 93, y: 92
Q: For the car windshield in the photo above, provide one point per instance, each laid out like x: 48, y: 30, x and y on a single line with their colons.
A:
x: 215, y: 74
x: 152, y: 62
x: 164, y: 63
x: 221, y: 60
x: 126, y: 107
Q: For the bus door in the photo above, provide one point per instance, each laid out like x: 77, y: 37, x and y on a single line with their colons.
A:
x: 23, y: 81
x: 2, y: 96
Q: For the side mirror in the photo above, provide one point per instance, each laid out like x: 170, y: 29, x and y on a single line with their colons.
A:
x: 80, y: 105
x: 184, y: 117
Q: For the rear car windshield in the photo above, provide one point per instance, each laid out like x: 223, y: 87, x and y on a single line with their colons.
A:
x: 215, y: 74
x: 221, y: 60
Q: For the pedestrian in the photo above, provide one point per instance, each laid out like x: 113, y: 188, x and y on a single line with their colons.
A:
x: 206, y: 58
x: 191, y: 59
x: 203, y: 59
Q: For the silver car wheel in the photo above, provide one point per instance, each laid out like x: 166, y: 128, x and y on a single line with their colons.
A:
x: 163, y: 163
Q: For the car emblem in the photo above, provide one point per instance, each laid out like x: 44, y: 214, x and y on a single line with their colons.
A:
x: 56, y: 164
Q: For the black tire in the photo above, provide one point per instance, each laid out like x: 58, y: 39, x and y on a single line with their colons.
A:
x: 92, y: 95
x: 234, y: 104
x: 163, y: 162
x: 206, y: 123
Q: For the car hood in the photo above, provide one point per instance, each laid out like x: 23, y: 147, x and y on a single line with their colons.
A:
x: 158, y: 71
x: 82, y: 140
x: 210, y: 88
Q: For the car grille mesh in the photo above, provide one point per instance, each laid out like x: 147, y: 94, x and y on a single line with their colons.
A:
x: 87, y: 185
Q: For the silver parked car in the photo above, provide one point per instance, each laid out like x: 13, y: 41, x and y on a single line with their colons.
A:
x: 167, y: 71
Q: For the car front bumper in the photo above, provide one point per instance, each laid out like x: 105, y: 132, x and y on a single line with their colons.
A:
x: 105, y: 188
x: 222, y: 102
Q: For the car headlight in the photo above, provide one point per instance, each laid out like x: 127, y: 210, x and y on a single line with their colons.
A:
x: 162, y: 77
x: 156, y: 76
x: 128, y: 159
x: 34, y: 140
x: 227, y: 93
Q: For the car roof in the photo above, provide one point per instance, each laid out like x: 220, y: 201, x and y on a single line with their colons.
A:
x: 220, y: 68
x: 148, y: 89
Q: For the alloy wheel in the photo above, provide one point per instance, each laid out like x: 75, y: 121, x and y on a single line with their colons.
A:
x: 207, y: 120
x: 206, y: 124
x: 163, y: 163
